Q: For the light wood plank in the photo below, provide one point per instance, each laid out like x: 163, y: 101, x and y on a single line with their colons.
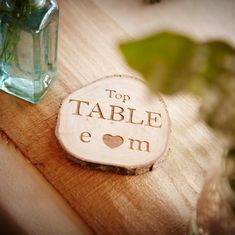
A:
x: 160, y: 202
x: 27, y: 202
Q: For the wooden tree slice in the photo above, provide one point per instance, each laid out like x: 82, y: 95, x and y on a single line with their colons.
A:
x: 114, y: 124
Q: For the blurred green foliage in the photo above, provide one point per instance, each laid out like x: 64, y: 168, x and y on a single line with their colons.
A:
x: 172, y: 63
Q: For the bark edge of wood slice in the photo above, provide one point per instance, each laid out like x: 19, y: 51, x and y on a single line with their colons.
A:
x: 114, y: 124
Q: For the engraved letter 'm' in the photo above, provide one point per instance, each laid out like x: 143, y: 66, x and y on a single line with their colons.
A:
x: 139, y: 145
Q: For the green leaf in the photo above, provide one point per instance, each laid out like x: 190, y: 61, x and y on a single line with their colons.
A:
x: 172, y: 63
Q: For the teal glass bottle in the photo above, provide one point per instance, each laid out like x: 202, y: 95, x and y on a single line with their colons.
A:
x: 28, y: 47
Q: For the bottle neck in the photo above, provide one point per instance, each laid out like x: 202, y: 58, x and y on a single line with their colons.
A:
x: 37, y: 3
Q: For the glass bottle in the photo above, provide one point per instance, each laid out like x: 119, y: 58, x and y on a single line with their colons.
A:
x: 28, y: 47
x: 215, y: 212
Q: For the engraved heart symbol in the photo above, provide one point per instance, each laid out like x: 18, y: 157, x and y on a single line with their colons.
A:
x: 112, y: 141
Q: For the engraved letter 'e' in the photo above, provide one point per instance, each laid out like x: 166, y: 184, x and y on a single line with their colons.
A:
x: 85, y: 137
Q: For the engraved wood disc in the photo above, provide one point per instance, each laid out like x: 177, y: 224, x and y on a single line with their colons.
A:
x: 114, y: 124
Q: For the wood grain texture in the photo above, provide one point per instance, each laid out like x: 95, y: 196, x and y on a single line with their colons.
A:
x: 159, y: 202
x: 28, y: 204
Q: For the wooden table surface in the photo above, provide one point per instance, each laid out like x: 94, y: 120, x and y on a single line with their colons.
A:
x: 159, y: 202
